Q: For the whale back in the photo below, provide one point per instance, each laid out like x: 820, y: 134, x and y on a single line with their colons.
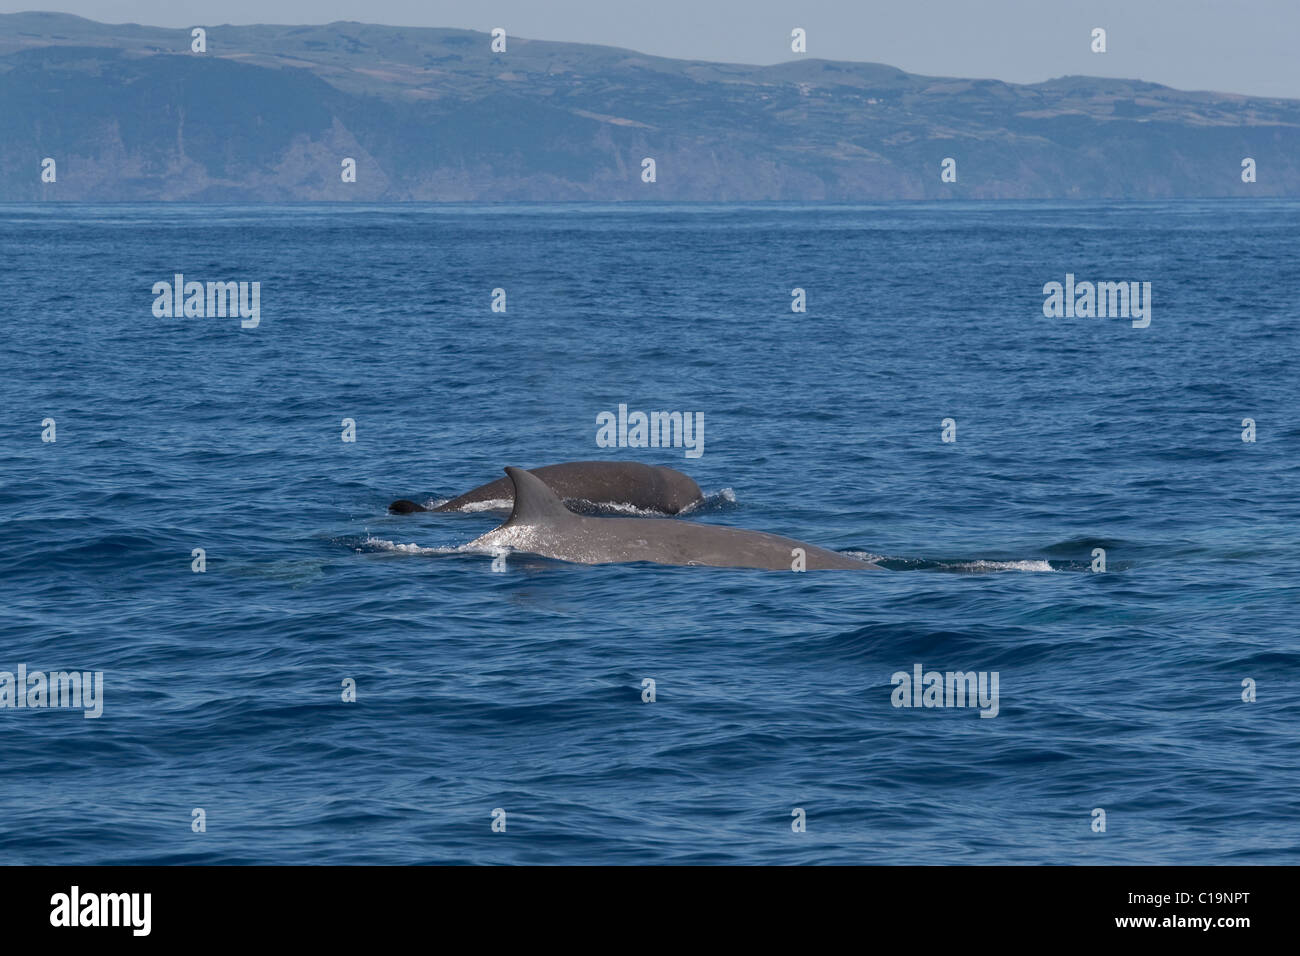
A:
x: 647, y: 487
x: 540, y: 524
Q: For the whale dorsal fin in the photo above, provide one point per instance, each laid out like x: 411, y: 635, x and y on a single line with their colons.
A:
x: 535, y: 503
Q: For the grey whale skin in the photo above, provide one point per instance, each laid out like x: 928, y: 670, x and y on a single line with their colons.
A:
x: 649, y: 487
x: 540, y: 524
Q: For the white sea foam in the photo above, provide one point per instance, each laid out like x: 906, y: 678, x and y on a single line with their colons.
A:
x: 491, y: 504
x: 725, y: 496
x: 382, y: 544
x: 1035, y: 566
x: 863, y: 556
x: 617, y: 507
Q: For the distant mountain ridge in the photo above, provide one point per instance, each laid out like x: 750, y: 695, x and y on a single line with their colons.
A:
x: 268, y: 113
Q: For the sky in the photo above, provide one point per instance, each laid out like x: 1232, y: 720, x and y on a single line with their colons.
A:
x: 1237, y: 46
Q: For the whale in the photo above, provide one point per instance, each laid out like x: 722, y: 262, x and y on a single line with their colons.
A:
x: 540, y: 524
x: 646, y: 487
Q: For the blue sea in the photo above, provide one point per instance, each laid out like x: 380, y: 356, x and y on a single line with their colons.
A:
x: 484, y: 697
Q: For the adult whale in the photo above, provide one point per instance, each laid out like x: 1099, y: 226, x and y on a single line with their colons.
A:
x: 648, y: 487
x: 540, y: 524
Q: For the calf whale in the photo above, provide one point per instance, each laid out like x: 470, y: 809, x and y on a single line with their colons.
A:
x: 540, y: 524
x: 648, y: 487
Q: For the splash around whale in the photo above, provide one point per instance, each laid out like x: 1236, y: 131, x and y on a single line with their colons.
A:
x: 540, y: 524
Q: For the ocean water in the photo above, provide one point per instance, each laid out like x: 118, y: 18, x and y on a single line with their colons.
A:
x: 522, y: 691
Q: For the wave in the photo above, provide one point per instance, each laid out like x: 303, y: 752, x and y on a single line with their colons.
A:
x: 1084, y: 544
x: 974, y: 565
x: 723, y: 500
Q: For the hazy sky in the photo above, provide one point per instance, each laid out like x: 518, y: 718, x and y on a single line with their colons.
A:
x: 1241, y: 46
